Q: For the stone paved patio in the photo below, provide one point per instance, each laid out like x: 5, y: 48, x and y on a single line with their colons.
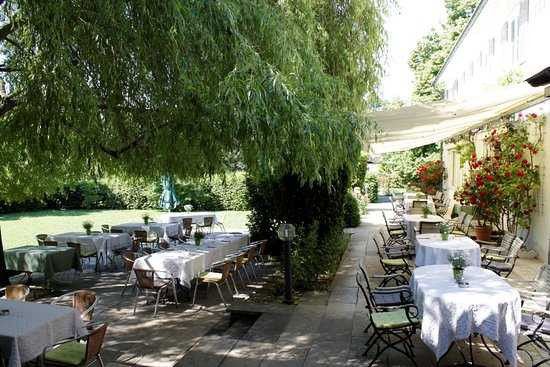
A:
x: 325, y: 329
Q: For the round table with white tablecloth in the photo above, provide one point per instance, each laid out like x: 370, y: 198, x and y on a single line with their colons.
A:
x: 412, y: 221
x: 430, y: 249
x: 488, y: 306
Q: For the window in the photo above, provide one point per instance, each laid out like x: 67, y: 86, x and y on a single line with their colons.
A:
x: 492, y: 47
x: 504, y: 32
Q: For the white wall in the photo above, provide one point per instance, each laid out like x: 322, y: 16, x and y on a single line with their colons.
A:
x: 506, y: 35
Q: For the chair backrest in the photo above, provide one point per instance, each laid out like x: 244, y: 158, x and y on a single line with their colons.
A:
x: 40, y: 238
x: 262, y: 247
x: 419, y: 204
x: 85, y: 301
x: 429, y: 227
x: 251, y: 253
x: 129, y: 258
x: 507, y: 240
x: 386, y: 221
x: 517, y: 244
x: 163, y: 245
x: 140, y: 235
x: 105, y: 228
x: 239, y: 261
x: 415, y: 211
x: 460, y: 218
x: 365, y: 295
x: 450, y: 209
x: 377, y: 246
x: 116, y: 230
x: 438, y: 196
x: 17, y: 292
x: 466, y: 223
x: 208, y: 221
x: 94, y: 342
x: 226, y: 269
x: 145, y: 278
x: 49, y: 243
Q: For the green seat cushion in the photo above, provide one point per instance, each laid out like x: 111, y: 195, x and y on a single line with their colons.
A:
x: 72, y: 353
x: 392, y: 319
x: 495, y: 258
x: 394, y: 262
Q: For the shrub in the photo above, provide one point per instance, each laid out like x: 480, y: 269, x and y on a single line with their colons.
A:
x: 352, y: 216
x: 360, y: 173
x: 371, y: 183
x: 317, y: 212
x: 230, y: 191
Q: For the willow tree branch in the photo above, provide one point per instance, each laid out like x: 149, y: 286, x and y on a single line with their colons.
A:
x: 7, y: 104
x: 6, y: 30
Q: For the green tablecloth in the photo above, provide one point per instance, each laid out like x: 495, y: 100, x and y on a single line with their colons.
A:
x: 42, y: 259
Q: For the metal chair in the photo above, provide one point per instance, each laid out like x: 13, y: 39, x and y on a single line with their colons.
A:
x: 148, y: 281
x: 207, y: 222
x: 392, y: 262
x: 504, y: 264
x: 116, y: 230
x: 50, y: 243
x: 105, y: 228
x: 84, y: 301
x: 395, y: 230
x: 490, y: 248
x: 73, y: 352
x: 397, y: 322
x: 215, y: 278
x: 428, y: 227
x: 40, y: 238
x: 129, y: 258
x: 383, y: 295
x: 463, y: 228
x: 86, y: 252
x: 146, y: 242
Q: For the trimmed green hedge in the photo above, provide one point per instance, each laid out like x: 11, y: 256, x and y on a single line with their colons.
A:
x: 371, y: 183
x: 352, y: 216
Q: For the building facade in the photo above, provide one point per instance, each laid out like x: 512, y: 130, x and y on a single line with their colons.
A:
x: 504, y: 43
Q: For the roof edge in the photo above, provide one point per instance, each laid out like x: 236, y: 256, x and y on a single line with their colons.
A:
x: 469, y: 25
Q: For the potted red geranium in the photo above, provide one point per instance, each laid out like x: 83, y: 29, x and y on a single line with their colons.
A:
x: 430, y: 175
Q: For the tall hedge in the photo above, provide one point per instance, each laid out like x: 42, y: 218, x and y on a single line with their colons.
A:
x: 318, y: 213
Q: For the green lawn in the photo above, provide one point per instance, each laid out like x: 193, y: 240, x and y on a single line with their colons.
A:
x: 20, y: 228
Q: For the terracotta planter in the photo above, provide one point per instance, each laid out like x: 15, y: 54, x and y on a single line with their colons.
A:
x: 483, y: 233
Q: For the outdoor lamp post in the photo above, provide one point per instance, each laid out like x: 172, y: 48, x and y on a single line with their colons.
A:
x: 286, y: 233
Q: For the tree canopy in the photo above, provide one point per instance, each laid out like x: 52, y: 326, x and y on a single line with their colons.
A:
x: 429, y: 55
x: 141, y: 88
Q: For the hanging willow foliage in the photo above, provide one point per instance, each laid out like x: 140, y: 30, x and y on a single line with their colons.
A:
x: 143, y: 88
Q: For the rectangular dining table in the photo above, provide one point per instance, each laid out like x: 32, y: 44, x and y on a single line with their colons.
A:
x: 42, y: 259
x: 196, y: 217
x: 163, y: 230
x: 26, y: 328
x: 104, y: 243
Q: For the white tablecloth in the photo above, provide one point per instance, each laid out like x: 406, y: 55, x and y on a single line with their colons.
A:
x: 489, y: 306
x: 412, y: 221
x: 184, y: 262
x: 104, y: 243
x: 197, y: 217
x: 432, y: 250
x: 163, y: 230
x: 30, y: 327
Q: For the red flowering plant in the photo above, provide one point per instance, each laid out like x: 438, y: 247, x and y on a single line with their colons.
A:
x: 503, y: 186
x: 430, y: 175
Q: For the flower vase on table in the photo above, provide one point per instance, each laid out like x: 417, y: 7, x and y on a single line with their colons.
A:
x: 199, y: 236
x: 425, y: 212
x: 458, y: 264
x: 444, y: 230
x: 87, y: 225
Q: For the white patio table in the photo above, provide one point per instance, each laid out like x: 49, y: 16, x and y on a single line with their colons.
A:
x: 163, y: 230
x: 412, y: 221
x: 197, y: 217
x: 184, y: 262
x: 432, y: 250
x: 488, y: 306
x: 104, y: 243
x: 30, y: 327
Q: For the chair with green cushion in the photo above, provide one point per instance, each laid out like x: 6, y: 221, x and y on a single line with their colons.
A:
x: 392, y: 261
x: 395, y: 230
x: 393, y: 327
x: 81, y: 351
x: 504, y: 264
x: 86, y: 252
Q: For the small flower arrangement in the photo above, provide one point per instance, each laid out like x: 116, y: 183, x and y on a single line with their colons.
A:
x: 188, y: 207
x: 426, y: 211
x: 87, y: 225
x: 146, y: 218
x: 199, y: 237
x: 444, y: 229
x: 458, y: 262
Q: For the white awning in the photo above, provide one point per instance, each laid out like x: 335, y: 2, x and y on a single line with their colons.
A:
x: 414, y: 126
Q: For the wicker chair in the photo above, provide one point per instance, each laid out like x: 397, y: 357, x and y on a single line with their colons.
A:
x: 86, y: 252
x: 398, y: 322
x: 129, y: 258
x: 84, y: 301
x: 16, y: 292
x: 215, y: 278
x: 75, y: 353
x: 148, y: 281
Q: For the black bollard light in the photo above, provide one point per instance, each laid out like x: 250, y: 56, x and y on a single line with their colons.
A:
x: 286, y: 233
